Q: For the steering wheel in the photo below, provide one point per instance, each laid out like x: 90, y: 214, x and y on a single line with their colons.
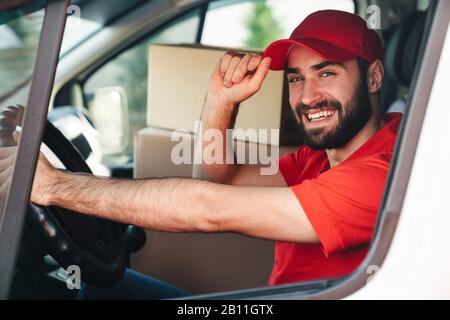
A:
x: 96, y: 246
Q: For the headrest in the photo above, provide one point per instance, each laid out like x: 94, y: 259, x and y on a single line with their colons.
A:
x: 403, y: 48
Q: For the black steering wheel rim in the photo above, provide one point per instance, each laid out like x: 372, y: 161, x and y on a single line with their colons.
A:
x: 94, y: 245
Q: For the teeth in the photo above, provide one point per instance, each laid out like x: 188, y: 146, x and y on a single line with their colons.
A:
x: 319, y: 115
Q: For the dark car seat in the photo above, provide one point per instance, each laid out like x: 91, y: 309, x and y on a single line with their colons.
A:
x: 401, y: 53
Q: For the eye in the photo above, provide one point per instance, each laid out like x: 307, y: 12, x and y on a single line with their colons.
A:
x: 327, y: 74
x: 296, y: 79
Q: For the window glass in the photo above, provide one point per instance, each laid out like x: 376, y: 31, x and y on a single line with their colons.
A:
x: 254, y: 24
x: 128, y: 73
x: 77, y: 29
x: 19, y: 39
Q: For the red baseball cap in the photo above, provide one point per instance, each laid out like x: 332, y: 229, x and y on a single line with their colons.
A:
x: 332, y: 34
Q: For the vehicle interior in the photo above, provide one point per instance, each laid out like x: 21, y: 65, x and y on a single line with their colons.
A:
x: 116, y: 104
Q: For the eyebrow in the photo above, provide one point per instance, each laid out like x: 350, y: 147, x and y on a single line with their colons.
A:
x: 316, y: 67
x: 327, y: 63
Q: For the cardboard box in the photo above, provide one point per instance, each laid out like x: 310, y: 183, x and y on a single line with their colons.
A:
x: 153, y: 148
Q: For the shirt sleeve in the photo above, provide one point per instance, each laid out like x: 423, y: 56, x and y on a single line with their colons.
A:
x: 342, y: 203
x: 291, y: 164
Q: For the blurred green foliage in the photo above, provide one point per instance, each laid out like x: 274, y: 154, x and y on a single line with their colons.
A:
x: 262, y: 26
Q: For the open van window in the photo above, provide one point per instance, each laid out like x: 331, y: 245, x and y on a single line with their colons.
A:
x: 155, y: 93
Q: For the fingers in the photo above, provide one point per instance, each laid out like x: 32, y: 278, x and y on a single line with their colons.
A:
x: 8, y: 123
x: 7, y: 119
x: 19, y: 111
x: 7, y: 163
x: 241, y: 69
x: 227, y: 80
x: 235, y: 66
x: 6, y: 138
x: 7, y: 152
x: 4, y: 187
x: 16, y: 136
x: 4, y: 175
x: 225, y: 62
x: 260, y: 73
x: 12, y: 116
x: 254, y: 62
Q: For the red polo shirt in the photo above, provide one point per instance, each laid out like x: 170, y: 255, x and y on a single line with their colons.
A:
x: 341, y: 203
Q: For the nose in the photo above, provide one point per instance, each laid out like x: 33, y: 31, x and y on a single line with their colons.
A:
x: 310, y: 93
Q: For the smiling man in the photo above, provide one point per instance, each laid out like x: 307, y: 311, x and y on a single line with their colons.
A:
x: 322, y: 205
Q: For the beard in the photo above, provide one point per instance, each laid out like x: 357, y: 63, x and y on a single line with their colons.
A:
x: 351, y: 119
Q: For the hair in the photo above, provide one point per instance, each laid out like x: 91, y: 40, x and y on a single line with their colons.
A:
x: 363, y: 66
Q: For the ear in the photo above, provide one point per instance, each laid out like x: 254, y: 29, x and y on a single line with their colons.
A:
x: 375, y: 74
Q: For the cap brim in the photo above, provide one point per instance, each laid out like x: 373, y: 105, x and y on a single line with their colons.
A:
x: 278, y: 51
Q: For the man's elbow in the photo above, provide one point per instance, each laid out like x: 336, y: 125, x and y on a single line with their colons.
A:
x: 214, y: 221
x: 209, y: 224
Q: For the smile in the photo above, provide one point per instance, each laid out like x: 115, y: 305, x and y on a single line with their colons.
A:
x: 313, y: 116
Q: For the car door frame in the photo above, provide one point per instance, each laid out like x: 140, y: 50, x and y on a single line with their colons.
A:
x: 30, y: 141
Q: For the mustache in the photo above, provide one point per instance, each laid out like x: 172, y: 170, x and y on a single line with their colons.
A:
x: 325, y: 104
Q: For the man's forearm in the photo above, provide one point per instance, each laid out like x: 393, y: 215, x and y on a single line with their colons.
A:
x: 178, y: 205
x: 160, y: 204
x: 218, y: 116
